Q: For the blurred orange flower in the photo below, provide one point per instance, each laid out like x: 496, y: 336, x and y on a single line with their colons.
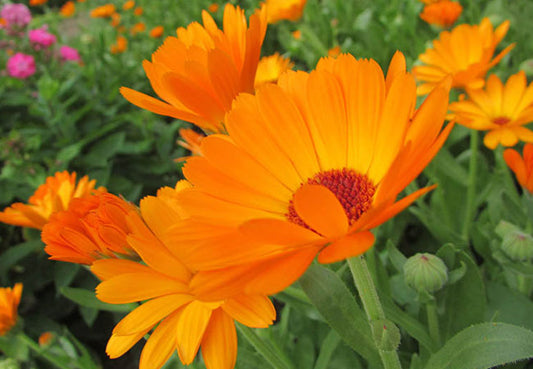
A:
x: 310, y: 166
x: 334, y: 51
x: 52, y: 196
x: 45, y: 338
x: 157, y: 32
x: 138, y: 28
x: 213, y: 7
x: 92, y: 228
x: 138, y: 11
x: 200, y: 72
x: 68, y: 9
x: 120, y: 46
x: 297, y: 34
x: 522, y: 167
x: 81, y: 1
x: 162, y: 283
x: 464, y: 53
x: 270, y: 68
x: 9, y: 302
x: 104, y: 11
x: 284, y: 10
x: 128, y: 5
x: 37, y: 2
x: 115, y: 19
x: 442, y: 13
x: 501, y: 110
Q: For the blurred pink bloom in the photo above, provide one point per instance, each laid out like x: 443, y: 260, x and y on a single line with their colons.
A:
x: 21, y: 66
x: 16, y: 16
x: 69, y: 54
x: 41, y: 37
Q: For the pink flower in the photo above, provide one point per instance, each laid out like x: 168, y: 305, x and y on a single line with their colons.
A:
x: 69, y: 54
x: 16, y: 16
x: 21, y: 66
x: 41, y: 37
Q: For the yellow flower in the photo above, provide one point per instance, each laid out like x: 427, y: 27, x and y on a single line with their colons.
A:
x: 522, y: 167
x: 501, y: 110
x: 270, y: 68
x: 442, y: 13
x: 464, y: 53
x: 201, y: 71
x: 51, y: 197
x: 284, y: 9
x: 103, y: 11
x: 9, y: 302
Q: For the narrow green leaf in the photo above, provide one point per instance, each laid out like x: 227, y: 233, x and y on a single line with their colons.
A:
x: 395, y: 256
x: 88, y: 299
x: 17, y: 253
x: 483, y: 346
x: 327, y: 348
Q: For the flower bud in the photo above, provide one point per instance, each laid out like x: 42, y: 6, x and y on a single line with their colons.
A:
x: 425, y: 273
x: 518, y: 246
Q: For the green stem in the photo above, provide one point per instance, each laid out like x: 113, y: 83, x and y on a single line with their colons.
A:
x: 372, y: 305
x: 471, y: 190
x: 276, y: 358
x: 39, y: 351
x: 433, y: 322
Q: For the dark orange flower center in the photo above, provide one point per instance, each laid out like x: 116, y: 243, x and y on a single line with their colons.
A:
x: 501, y: 121
x: 353, y: 190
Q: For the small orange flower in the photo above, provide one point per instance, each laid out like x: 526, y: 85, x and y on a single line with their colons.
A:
x: 191, y: 140
x: 9, y: 302
x: 92, y: 228
x: 120, y: 46
x: 502, y: 110
x: 138, y: 28
x: 157, y: 32
x: 284, y: 10
x: 270, y: 68
x: 128, y: 5
x: 213, y: 8
x: 51, y: 197
x: 3, y: 22
x: 68, y: 9
x: 431, y: 1
x: 104, y: 11
x: 138, y: 11
x: 200, y: 72
x: 443, y: 13
x: 522, y: 167
x: 115, y: 19
x: 297, y: 34
x: 464, y: 53
x: 45, y: 338
x: 37, y: 2
x: 334, y: 51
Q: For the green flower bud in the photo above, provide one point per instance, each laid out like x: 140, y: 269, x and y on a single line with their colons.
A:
x: 425, y: 273
x: 518, y: 246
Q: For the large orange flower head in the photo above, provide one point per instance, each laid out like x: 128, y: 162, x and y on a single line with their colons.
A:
x: 9, y: 302
x: 270, y: 68
x: 501, y: 110
x: 522, y: 167
x: 442, y: 13
x: 180, y: 320
x: 284, y: 10
x: 52, y: 196
x: 92, y: 228
x: 310, y: 166
x: 464, y: 53
x: 200, y: 72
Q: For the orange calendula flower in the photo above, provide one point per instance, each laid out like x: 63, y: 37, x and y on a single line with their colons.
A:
x: 501, y: 110
x: 213, y: 8
x: 270, y: 68
x: 45, y: 338
x: 157, y: 32
x: 186, y: 323
x: 115, y: 19
x: 51, y: 197
x: 128, y: 5
x: 297, y: 34
x: 200, y: 72
x: 334, y: 51
x: 284, y: 10
x: 104, y: 11
x: 68, y: 9
x: 310, y: 166
x: 442, y: 13
x: 120, y: 46
x: 92, y: 228
x: 138, y: 28
x: 138, y: 11
x: 9, y: 302
x: 464, y: 53
x: 37, y: 2
x: 191, y: 140
x: 522, y: 167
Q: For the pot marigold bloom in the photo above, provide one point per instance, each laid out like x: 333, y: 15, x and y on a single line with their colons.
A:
x: 104, y: 11
x: 284, y: 10
x: 501, y: 110
x: 115, y: 19
x: 200, y: 72
x: 37, y: 2
x: 297, y: 34
x: 334, y: 51
x: 270, y: 68
x: 310, y: 166
x: 442, y: 13
x: 464, y: 53
x: 138, y: 11
x: 185, y: 322
x: 128, y: 5
x: 9, y: 302
x: 157, y: 32
x: 138, y: 28
x: 68, y: 9
x: 91, y: 228
x: 522, y: 167
x: 45, y: 338
x: 51, y: 197
x: 213, y: 8
x: 120, y: 46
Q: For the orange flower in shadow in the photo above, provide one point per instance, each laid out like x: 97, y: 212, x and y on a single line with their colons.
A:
x: 522, y: 167
x: 9, y: 302
x: 442, y: 13
x: 200, y: 72
x: 465, y: 53
x: 51, y: 197
x: 270, y: 68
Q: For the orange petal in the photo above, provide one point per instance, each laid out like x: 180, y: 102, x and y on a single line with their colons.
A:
x: 118, y: 345
x: 161, y: 343
x: 280, y: 232
x: 345, y: 247
x: 251, y: 310
x: 219, y: 345
x: 517, y: 165
x: 108, y: 268
x: 191, y: 327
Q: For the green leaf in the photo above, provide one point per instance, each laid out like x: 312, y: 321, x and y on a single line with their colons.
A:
x: 509, y: 306
x: 484, y: 346
x: 15, y: 254
x: 64, y: 274
x: 327, y: 348
x: 340, y: 310
x: 88, y: 299
x: 396, y: 257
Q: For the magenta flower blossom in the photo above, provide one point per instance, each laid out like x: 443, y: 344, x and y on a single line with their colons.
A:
x: 21, y: 66
x: 16, y: 16
x: 41, y: 38
x: 69, y: 54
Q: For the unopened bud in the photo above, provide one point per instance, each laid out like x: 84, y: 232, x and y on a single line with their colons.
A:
x: 425, y: 273
x: 518, y: 246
